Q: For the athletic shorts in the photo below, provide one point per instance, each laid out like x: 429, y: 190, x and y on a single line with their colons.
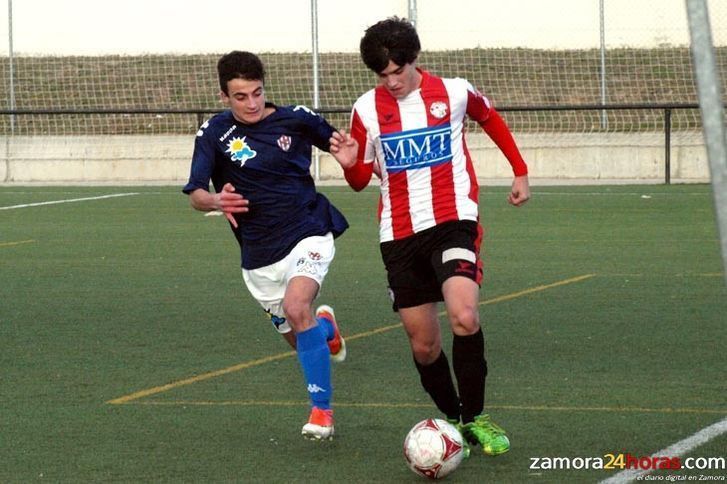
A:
x: 418, y: 265
x: 310, y: 258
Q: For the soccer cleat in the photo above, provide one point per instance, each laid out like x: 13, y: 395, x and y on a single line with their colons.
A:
x: 337, y: 345
x: 320, y: 425
x: 465, y: 444
x: 483, y: 431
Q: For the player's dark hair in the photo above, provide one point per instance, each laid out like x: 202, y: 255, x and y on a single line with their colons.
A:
x: 394, y: 39
x: 239, y: 65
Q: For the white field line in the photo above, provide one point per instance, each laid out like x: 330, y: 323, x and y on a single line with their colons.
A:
x: 69, y: 200
x: 676, y: 450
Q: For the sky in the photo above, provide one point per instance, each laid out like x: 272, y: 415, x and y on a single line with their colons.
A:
x: 96, y: 27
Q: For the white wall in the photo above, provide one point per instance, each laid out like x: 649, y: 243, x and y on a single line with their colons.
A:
x: 634, y: 157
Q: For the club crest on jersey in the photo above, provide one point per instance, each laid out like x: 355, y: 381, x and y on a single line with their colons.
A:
x: 284, y: 142
x: 240, y: 150
x: 438, y: 109
x: 418, y: 148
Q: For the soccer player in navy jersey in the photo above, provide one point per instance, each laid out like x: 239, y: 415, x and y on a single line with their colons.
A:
x: 258, y: 157
x: 410, y: 132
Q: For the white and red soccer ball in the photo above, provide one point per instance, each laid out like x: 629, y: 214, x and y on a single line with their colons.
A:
x: 433, y: 448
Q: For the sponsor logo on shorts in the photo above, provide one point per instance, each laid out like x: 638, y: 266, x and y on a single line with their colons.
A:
x: 307, y: 266
x: 464, y: 267
x: 277, y: 321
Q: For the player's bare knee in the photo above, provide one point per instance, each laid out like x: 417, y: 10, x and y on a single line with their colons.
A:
x: 297, y: 313
x: 293, y: 308
x: 465, y: 320
x: 426, y: 353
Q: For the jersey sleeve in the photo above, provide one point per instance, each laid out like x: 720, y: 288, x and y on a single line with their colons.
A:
x: 317, y: 128
x: 478, y: 105
x: 497, y: 130
x: 359, y: 175
x: 203, y: 161
x: 480, y: 109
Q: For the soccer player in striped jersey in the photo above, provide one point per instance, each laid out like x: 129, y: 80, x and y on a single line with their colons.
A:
x: 258, y: 157
x: 410, y: 132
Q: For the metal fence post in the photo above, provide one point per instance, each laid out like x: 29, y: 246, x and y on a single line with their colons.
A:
x: 11, y: 65
x: 412, y: 9
x: 602, y: 23
x: 667, y: 146
x: 316, y: 86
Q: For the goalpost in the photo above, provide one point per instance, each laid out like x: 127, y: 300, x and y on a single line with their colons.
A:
x: 709, y: 89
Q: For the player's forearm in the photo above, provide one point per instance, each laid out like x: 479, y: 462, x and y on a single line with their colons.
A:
x: 204, y: 201
x: 359, y: 175
x: 497, y: 130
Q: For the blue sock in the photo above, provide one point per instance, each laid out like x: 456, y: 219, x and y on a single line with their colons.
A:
x: 327, y: 328
x: 314, y: 357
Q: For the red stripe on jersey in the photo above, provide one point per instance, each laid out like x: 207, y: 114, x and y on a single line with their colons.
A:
x: 387, y: 110
x: 399, y: 200
x: 436, y: 102
x: 443, y: 202
x: 474, y: 187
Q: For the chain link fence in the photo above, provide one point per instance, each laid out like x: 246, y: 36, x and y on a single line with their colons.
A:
x: 89, y: 82
x: 530, y: 54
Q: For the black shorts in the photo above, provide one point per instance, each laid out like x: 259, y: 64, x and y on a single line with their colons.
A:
x: 418, y: 265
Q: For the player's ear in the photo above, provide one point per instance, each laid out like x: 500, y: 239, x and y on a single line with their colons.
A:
x: 224, y: 98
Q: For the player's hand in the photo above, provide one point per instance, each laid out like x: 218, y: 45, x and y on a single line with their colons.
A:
x: 344, y: 148
x: 520, y: 192
x: 229, y: 202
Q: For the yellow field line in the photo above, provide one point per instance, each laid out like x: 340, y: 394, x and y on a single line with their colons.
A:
x: 494, y: 300
x: 534, y: 408
x: 19, y: 242
x: 525, y: 292
x: 198, y: 378
x: 268, y: 359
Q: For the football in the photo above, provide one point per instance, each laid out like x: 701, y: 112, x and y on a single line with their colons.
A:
x: 433, y: 448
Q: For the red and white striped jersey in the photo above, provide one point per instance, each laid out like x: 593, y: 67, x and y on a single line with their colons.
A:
x: 418, y: 145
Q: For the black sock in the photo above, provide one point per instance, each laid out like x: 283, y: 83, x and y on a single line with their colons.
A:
x: 437, y: 381
x: 470, y: 369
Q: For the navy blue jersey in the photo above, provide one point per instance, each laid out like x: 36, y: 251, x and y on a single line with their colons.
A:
x: 269, y: 164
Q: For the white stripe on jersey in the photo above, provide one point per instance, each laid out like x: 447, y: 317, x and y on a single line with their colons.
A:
x: 462, y: 186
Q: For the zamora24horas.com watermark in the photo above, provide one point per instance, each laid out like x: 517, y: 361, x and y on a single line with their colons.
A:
x: 626, y: 461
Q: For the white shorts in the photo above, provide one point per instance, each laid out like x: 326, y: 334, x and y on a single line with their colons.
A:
x: 309, y: 258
